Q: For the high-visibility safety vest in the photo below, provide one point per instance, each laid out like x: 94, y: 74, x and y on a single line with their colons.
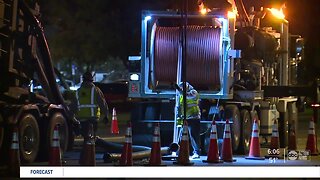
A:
x: 87, y: 104
x: 192, y: 110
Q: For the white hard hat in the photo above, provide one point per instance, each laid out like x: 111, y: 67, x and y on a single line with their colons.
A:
x: 188, y: 86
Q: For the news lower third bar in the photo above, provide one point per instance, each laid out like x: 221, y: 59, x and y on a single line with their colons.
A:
x: 167, y: 172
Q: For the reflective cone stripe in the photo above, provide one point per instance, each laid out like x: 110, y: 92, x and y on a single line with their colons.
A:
x: 15, y: 144
x: 114, y: 123
x: 312, y: 141
x: 226, y: 145
x: 156, y: 135
x: 55, y: 153
x: 311, y: 128
x: 14, y: 155
x: 128, y: 137
x: 185, y: 136
x: 254, y: 143
x: 274, y: 144
x: 213, y: 152
x: 55, y: 140
x: 227, y: 133
x: 255, y: 131
x: 183, y: 157
x: 213, y: 134
x: 155, y: 157
x: 275, y: 132
x: 126, y: 156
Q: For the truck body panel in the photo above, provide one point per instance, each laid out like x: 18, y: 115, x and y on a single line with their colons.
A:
x: 25, y: 57
x: 251, y: 59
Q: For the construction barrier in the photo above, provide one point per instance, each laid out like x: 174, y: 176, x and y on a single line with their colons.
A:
x: 126, y: 156
x: 155, y: 157
x: 183, y: 156
x: 312, y: 140
x: 14, y: 155
x: 213, y: 151
x: 226, y: 144
x: 292, y: 144
x: 274, y: 143
x: 114, y: 123
x: 55, y: 151
x: 254, y: 152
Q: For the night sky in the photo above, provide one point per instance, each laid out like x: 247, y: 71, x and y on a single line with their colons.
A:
x: 303, y: 17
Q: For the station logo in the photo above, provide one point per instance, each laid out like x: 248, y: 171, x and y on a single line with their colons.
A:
x: 299, y: 155
x: 293, y: 155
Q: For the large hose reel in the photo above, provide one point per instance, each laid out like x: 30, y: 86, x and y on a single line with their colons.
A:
x: 204, y: 46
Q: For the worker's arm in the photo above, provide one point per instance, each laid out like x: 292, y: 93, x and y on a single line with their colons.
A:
x: 74, y: 103
x: 104, y: 109
x: 73, y: 111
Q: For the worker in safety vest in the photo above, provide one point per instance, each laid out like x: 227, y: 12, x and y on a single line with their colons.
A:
x: 193, y: 116
x: 90, y: 104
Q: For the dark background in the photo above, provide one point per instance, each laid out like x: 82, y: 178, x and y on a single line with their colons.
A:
x: 91, y: 31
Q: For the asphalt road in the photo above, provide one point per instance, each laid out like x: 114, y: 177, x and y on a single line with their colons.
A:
x: 282, y: 160
x: 72, y: 158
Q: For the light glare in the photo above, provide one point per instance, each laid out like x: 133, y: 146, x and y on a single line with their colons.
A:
x: 277, y: 13
x: 231, y: 15
x: 134, y: 77
x: 147, y: 18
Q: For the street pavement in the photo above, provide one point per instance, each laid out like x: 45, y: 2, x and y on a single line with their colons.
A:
x: 302, y: 134
x: 71, y: 158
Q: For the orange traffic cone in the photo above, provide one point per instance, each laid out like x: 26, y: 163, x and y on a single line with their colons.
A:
x: 183, y: 157
x: 292, y: 145
x: 254, y: 152
x: 226, y: 145
x: 312, y: 140
x: 14, y: 155
x: 274, y: 144
x: 213, y: 151
x: 155, y: 157
x: 55, y: 152
x: 126, y: 156
x: 89, y: 151
x: 114, y: 123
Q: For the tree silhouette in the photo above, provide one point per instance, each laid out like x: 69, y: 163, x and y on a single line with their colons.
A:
x: 86, y: 32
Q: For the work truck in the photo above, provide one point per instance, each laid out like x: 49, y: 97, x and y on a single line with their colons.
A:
x: 25, y: 61
x: 244, y: 66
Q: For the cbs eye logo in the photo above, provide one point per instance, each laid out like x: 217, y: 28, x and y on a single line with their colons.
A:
x: 292, y: 155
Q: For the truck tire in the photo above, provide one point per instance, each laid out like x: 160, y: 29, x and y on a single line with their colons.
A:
x: 29, y: 138
x: 232, y: 112
x: 246, y: 129
x: 58, y: 119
